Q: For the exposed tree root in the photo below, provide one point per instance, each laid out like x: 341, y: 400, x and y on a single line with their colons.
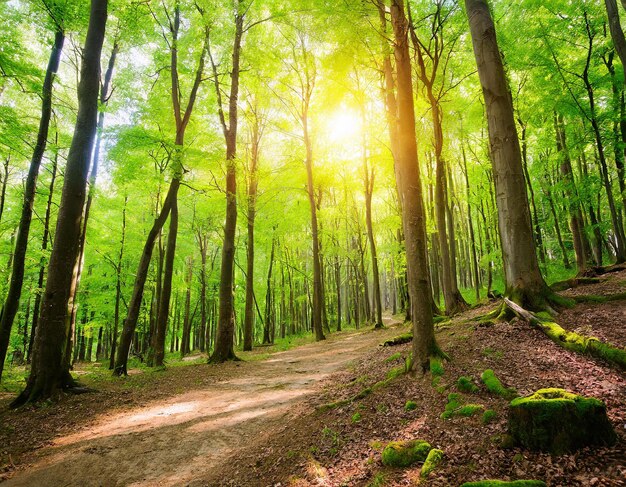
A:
x: 599, y: 271
x: 592, y: 298
x: 37, y: 392
x: 574, y: 282
x: 571, y: 340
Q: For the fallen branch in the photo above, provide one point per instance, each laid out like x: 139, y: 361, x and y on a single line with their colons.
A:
x: 571, y: 340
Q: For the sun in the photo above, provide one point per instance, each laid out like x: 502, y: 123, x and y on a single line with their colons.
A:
x: 344, y: 126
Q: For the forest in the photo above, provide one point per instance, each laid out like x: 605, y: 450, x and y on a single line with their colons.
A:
x: 313, y: 242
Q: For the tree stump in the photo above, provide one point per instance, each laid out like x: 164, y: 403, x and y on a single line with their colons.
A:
x: 558, y: 421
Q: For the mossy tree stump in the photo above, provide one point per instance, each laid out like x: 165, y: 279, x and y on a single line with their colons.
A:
x: 558, y: 421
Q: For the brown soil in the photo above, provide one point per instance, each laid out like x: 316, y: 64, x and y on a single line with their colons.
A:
x: 259, y: 423
x: 110, y: 439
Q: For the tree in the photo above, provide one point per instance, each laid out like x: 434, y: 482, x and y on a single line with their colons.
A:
x: 48, y: 373
x: 409, y: 184
x: 12, y: 301
x: 524, y: 282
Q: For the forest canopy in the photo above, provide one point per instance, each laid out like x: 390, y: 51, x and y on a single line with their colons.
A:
x: 207, y: 176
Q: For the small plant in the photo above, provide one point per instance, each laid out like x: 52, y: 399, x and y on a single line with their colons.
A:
x: 465, y: 384
x: 378, y: 480
x: 436, y: 367
x: 382, y: 408
x: 488, y: 416
x: 456, y: 408
x: 356, y: 417
x: 410, y: 406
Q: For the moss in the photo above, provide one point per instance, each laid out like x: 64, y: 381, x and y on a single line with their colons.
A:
x: 434, y: 458
x: 558, y: 421
x: 495, y: 386
x: 405, y: 453
x: 504, y: 483
x: 398, y: 340
x: 410, y: 406
x: 395, y: 372
x: 436, y: 367
x: 583, y: 344
x: 356, y: 417
x: 456, y: 408
x: 488, y: 416
x: 394, y: 357
x: 469, y: 410
x: 378, y: 480
x: 465, y: 384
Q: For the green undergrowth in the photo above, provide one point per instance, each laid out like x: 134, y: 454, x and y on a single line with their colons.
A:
x: 488, y: 416
x: 494, y: 385
x: 405, y: 453
x: 456, y: 408
x: 392, y: 374
x: 465, y: 384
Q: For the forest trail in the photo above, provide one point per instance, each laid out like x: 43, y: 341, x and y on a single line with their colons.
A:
x: 181, y: 440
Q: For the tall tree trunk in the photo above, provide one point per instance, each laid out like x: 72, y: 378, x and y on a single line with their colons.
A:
x: 48, y: 373
x: 181, y: 118
x: 248, y: 322
x: 573, y: 205
x: 409, y: 185
x: 524, y: 283
x: 185, y: 348
x: 369, y: 190
x: 118, y: 288
x: 223, y: 349
x: 12, y: 302
x: 269, y: 322
x: 44, y: 246
x: 104, y: 98
x: 470, y: 223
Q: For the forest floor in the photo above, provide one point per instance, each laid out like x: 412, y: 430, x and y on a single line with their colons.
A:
x: 259, y: 423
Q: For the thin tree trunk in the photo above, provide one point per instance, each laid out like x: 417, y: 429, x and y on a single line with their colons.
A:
x: 12, y: 301
x: 118, y: 288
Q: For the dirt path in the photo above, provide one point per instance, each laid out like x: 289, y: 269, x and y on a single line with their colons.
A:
x: 184, y: 439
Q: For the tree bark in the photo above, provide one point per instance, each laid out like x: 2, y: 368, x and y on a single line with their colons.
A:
x: 524, y: 283
x: 12, y: 302
x: 225, y: 335
x: 48, y: 373
x: 118, y: 288
x: 409, y: 184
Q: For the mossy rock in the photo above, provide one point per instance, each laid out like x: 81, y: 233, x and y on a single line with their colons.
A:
x: 558, y: 421
x: 504, y: 483
x: 434, y: 458
x: 405, y: 453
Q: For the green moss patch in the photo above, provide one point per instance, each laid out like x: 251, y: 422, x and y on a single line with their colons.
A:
x: 465, y: 384
x: 394, y: 357
x: 434, y: 458
x: 405, y: 453
x: 583, y: 344
x: 436, y: 367
x: 495, y: 386
x: 504, y: 483
x: 488, y: 416
x: 558, y: 421
x: 398, y: 340
x: 456, y: 408
x: 410, y: 406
